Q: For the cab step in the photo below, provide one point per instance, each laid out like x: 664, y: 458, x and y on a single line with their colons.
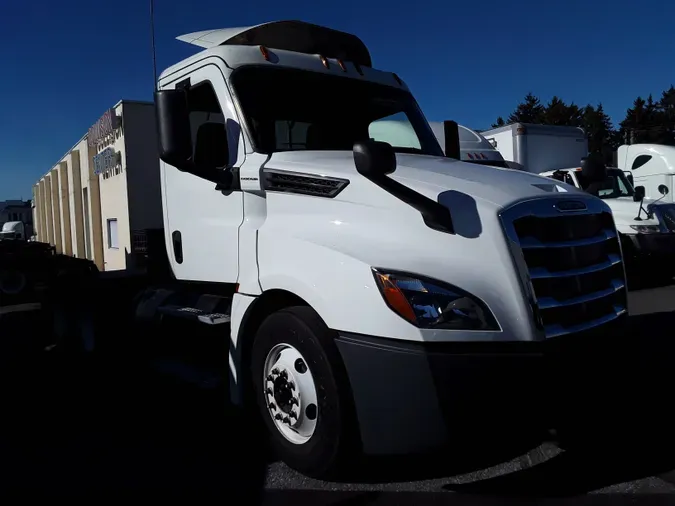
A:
x: 194, y: 314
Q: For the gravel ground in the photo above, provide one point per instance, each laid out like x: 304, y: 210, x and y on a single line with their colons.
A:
x: 104, y: 429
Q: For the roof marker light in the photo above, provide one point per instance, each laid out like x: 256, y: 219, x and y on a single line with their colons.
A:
x: 358, y: 68
x: 325, y: 61
x: 342, y: 66
x: 265, y: 53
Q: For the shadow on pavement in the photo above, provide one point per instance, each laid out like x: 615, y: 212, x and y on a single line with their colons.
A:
x: 615, y: 417
x: 110, y: 429
x: 95, y: 430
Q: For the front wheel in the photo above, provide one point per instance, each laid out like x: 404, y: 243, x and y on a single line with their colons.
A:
x: 303, y: 393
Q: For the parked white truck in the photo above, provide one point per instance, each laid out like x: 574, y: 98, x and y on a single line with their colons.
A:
x: 474, y: 148
x: 650, y: 166
x: 646, y: 226
x: 13, y: 231
x: 370, y: 291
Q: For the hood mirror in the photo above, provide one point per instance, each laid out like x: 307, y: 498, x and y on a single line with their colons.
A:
x: 374, y: 159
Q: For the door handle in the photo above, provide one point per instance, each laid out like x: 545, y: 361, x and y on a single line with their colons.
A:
x: 177, y: 241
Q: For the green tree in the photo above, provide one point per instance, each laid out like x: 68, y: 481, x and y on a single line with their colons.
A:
x: 666, y: 110
x: 635, y: 126
x: 559, y: 113
x: 500, y: 122
x: 601, y: 135
x: 529, y: 111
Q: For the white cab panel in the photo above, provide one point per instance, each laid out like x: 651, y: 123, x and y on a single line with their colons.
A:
x: 208, y: 220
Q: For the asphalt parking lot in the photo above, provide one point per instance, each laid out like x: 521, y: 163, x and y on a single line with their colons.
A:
x: 96, y: 429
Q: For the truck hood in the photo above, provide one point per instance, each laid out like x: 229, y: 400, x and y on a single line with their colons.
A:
x: 625, y: 209
x: 431, y: 175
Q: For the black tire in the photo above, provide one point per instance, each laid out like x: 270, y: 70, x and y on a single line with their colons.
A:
x: 334, y: 442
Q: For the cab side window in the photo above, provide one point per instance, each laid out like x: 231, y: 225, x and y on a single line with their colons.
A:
x: 207, y: 126
x: 291, y: 135
x: 640, y: 161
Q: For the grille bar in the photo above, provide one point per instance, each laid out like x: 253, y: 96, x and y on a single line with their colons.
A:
x: 550, y: 302
x: 569, y: 263
x: 558, y: 330
x: 543, y: 272
x: 533, y: 242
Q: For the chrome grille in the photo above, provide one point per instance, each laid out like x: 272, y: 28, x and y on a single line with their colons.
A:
x: 569, y: 262
x: 665, y: 213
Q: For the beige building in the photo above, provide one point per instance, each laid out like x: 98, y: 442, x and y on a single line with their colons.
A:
x: 106, y: 187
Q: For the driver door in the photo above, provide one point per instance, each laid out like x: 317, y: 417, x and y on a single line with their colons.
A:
x: 202, y: 223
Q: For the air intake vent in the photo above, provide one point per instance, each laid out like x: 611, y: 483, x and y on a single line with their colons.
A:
x: 303, y: 184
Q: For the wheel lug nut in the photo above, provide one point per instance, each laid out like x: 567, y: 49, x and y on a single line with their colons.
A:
x: 284, y: 374
x: 293, y: 414
x: 291, y: 385
x: 273, y: 406
x: 269, y: 391
x: 278, y: 416
x: 294, y: 401
x: 275, y: 371
x: 287, y: 420
x: 270, y: 378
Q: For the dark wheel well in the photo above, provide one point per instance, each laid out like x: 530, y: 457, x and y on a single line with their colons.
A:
x: 268, y: 303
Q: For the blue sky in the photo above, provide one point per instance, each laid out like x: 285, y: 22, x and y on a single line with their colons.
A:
x: 65, y: 61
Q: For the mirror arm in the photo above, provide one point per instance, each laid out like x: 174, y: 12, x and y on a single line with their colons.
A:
x: 227, y: 179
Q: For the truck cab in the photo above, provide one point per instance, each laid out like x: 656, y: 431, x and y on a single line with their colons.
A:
x: 650, y: 166
x: 13, y: 231
x: 646, y: 225
x: 375, y: 293
x: 474, y: 148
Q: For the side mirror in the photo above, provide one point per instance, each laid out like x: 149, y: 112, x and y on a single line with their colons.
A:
x: 629, y: 176
x: 663, y: 189
x: 639, y: 194
x: 173, y: 128
x: 374, y: 159
x: 451, y: 133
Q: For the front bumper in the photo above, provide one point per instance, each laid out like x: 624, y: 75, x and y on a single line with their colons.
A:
x: 653, y: 252
x: 413, y: 398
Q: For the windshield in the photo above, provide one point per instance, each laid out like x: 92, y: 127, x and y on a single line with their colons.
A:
x: 614, y: 186
x: 290, y: 110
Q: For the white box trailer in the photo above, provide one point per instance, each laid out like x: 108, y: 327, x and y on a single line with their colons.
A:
x: 539, y: 148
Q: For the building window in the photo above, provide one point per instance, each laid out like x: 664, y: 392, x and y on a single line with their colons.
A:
x: 113, y: 241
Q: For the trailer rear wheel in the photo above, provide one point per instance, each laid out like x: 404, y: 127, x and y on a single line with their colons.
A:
x: 302, y: 392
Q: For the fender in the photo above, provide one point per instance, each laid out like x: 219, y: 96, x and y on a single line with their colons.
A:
x: 344, y: 295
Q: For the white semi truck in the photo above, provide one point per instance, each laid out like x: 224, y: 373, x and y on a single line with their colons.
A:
x: 646, y: 225
x: 650, y: 166
x: 13, y: 231
x: 377, y: 297
x: 474, y: 148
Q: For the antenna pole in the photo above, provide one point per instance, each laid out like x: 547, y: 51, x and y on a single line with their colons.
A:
x: 152, y: 37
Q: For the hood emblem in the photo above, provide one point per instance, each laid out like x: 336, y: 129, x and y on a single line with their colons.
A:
x: 570, y: 205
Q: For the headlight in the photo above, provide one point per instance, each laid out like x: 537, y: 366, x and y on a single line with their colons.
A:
x: 646, y: 229
x: 431, y: 304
